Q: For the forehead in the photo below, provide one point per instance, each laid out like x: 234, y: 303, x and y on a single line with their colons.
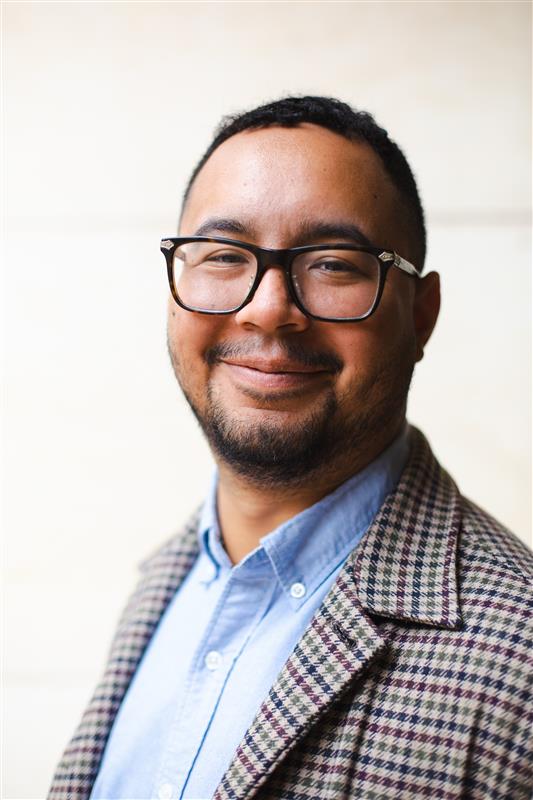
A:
x: 276, y: 179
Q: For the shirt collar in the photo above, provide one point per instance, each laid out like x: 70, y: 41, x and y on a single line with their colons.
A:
x: 209, y: 532
x: 306, y: 549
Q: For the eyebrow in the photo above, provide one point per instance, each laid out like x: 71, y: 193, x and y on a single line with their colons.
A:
x: 222, y: 225
x: 310, y: 230
x: 319, y: 229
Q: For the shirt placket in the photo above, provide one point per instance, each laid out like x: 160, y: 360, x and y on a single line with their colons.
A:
x: 212, y: 663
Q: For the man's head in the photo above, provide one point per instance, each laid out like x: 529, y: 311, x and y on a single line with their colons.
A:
x: 281, y: 396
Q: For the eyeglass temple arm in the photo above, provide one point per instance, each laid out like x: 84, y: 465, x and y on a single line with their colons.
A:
x: 399, y: 262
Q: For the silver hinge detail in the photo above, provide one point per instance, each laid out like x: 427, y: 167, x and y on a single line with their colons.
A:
x: 167, y: 244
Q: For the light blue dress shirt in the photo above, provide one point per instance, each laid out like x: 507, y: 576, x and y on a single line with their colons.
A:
x: 224, y: 638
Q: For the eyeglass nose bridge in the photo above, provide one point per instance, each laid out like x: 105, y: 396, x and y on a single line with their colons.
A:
x: 267, y: 258
x: 274, y: 259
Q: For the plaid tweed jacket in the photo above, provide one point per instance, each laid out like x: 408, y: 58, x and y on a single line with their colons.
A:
x: 413, y: 679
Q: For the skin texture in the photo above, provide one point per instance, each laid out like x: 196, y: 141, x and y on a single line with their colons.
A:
x: 311, y: 403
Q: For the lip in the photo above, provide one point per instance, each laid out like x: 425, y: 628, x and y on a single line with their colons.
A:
x: 273, y: 374
x: 271, y: 365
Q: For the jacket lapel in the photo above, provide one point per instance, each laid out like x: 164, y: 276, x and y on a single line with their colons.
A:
x: 405, y: 569
x: 405, y: 566
x: 162, y: 576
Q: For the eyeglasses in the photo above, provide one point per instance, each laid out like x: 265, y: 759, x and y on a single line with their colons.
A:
x: 329, y: 282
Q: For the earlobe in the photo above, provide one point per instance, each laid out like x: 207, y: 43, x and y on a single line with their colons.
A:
x: 425, y: 310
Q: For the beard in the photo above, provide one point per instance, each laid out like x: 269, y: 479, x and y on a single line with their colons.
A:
x: 274, y: 451
x: 268, y: 451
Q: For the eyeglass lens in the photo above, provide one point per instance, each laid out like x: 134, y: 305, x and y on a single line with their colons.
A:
x: 212, y: 276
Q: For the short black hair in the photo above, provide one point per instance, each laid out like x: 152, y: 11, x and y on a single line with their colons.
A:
x: 339, y: 117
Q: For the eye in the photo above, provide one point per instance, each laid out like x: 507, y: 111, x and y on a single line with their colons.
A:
x: 226, y: 258
x: 339, y: 266
x: 337, y: 269
x: 212, y: 257
x: 333, y: 265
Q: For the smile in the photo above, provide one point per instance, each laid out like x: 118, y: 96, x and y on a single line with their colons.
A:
x: 273, y: 375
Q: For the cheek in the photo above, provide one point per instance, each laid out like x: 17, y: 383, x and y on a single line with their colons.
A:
x: 371, y: 348
x: 189, y: 333
x: 392, y: 327
x: 189, y: 336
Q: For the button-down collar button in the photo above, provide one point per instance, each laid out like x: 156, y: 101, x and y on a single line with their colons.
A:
x: 165, y: 791
x: 297, y: 590
x: 213, y: 660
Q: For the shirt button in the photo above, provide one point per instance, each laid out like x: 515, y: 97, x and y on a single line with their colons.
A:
x: 213, y: 660
x: 297, y: 590
x: 165, y: 791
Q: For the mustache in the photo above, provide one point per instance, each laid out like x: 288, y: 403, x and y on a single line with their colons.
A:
x: 292, y: 351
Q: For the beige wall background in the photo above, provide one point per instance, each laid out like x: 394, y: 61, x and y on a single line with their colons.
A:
x: 107, y: 107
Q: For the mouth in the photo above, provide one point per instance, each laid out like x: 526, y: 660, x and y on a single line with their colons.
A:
x: 273, y: 374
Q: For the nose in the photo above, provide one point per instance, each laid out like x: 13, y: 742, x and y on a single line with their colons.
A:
x: 271, y: 308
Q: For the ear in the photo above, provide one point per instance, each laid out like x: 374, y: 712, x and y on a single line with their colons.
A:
x: 426, y: 308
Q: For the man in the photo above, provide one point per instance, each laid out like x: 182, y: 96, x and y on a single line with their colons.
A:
x: 338, y: 622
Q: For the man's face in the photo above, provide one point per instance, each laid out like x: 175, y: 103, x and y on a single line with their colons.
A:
x: 280, y: 395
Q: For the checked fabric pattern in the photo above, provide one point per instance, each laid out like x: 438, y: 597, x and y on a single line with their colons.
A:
x: 413, y: 680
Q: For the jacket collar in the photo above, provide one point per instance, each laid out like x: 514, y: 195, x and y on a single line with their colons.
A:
x: 405, y: 566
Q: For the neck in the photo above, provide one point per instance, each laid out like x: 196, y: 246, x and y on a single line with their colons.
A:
x: 248, y: 510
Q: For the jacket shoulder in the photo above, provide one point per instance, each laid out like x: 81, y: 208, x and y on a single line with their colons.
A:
x: 485, y: 542
x: 495, y: 594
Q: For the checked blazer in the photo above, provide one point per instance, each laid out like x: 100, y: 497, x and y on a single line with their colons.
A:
x: 413, y: 679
